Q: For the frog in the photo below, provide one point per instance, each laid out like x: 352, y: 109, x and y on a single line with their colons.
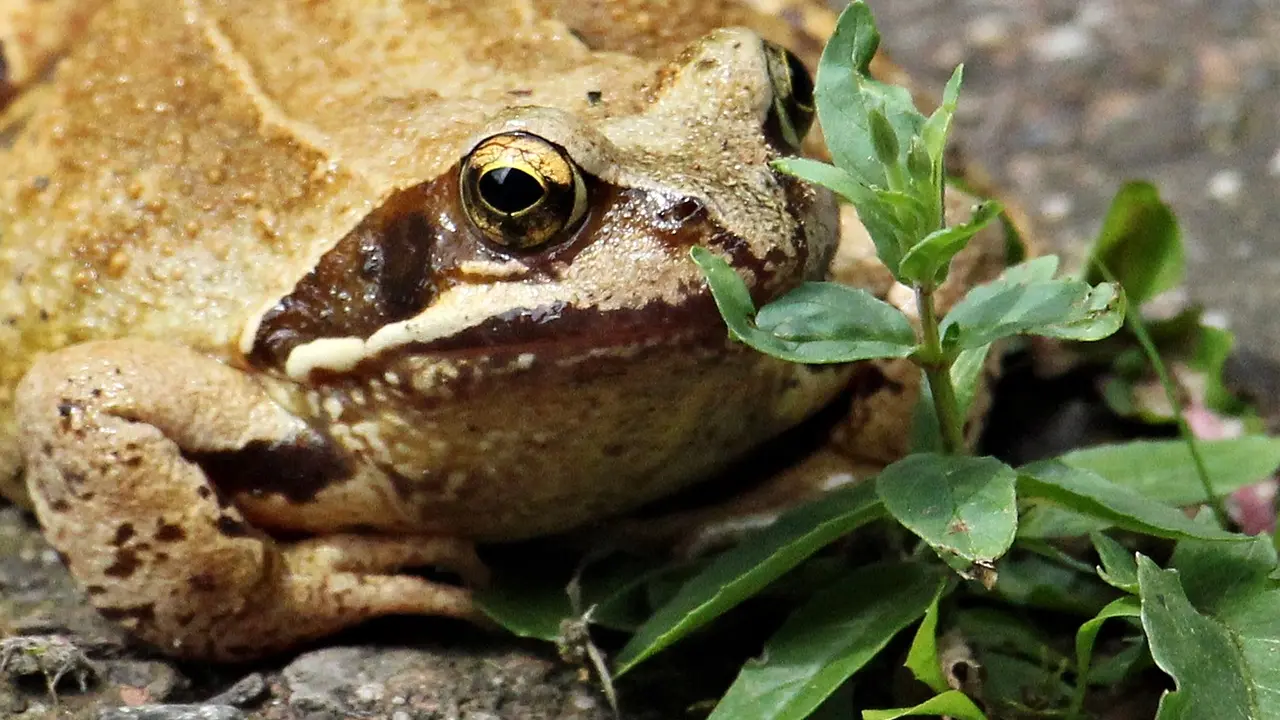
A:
x: 301, y: 297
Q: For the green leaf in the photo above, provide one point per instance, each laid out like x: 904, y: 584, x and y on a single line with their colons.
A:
x: 530, y: 598
x: 966, y: 376
x: 990, y: 629
x: 1091, y: 494
x: 1234, y: 587
x: 928, y: 261
x: 922, y: 658
x: 883, y: 138
x: 876, y: 209
x: 1020, y: 302
x: 825, y: 174
x: 938, y: 126
x: 1119, y: 566
x: 750, y: 566
x: 1015, y: 687
x: 1039, y: 269
x: 1126, y: 607
x: 1197, y: 652
x: 1140, y: 243
x: 959, y: 505
x: 814, y: 323
x: 827, y: 640
x: 952, y: 704
x: 1162, y: 469
x: 1159, y: 470
x: 845, y: 94
x: 1032, y: 581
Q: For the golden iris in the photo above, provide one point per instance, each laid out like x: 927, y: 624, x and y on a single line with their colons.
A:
x: 522, y: 191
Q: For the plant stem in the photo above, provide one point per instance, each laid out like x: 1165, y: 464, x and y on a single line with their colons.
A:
x: 1133, y: 319
x: 936, y: 367
x: 1139, y: 330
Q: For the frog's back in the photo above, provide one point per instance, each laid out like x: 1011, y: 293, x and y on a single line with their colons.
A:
x: 170, y: 183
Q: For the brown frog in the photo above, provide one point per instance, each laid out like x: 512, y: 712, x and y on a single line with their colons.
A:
x: 298, y: 295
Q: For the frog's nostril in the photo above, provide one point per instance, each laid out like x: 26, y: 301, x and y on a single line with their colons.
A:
x: 682, y: 211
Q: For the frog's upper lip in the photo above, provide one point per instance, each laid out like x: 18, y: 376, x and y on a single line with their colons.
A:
x: 562, y: 328
x: 553, y: 331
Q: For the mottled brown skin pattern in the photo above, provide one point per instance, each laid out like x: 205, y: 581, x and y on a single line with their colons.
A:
x: 244, y: 299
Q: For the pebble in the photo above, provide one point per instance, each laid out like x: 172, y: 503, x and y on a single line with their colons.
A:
x: 1225, y: 186
x: 1063, y: 43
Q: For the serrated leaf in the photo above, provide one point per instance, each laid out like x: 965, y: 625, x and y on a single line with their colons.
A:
x: 749, y: 567
x: 1091, y: 494
x: 959, y: 505
x: 1196, y: 651
x: 814, y: 323
x: 922, y: 657
x: 1160, y: 470
x: 1140, y: 243
x: 1119, y: 566
x: 827, y: 640
x: 928, y: 261
x: 952, y: 704
x: 1019, y: 302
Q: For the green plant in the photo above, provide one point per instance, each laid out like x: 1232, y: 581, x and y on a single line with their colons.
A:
x: 983, y: 558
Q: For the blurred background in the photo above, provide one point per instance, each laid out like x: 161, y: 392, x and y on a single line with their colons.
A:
x: 1064, y: 100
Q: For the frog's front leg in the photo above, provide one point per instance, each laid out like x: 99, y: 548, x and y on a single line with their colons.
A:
x: 113, y: 434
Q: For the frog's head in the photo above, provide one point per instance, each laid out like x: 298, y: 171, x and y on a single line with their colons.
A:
x: 545, y: 275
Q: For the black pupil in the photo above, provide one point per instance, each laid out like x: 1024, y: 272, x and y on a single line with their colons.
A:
x: 510, y: 190
x: 801, y: 81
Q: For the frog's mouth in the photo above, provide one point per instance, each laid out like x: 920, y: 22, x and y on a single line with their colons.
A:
x: 553, y: 331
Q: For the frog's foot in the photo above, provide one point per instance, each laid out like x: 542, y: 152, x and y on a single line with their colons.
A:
x: 112, y: 435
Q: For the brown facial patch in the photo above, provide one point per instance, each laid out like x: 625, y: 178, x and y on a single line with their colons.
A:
x: 297, y: 470
x: 380, y: 272
x: 404, y: 254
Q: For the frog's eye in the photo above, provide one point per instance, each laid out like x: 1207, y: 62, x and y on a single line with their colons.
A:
x: 792, y: 93
x: 522, y: 191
